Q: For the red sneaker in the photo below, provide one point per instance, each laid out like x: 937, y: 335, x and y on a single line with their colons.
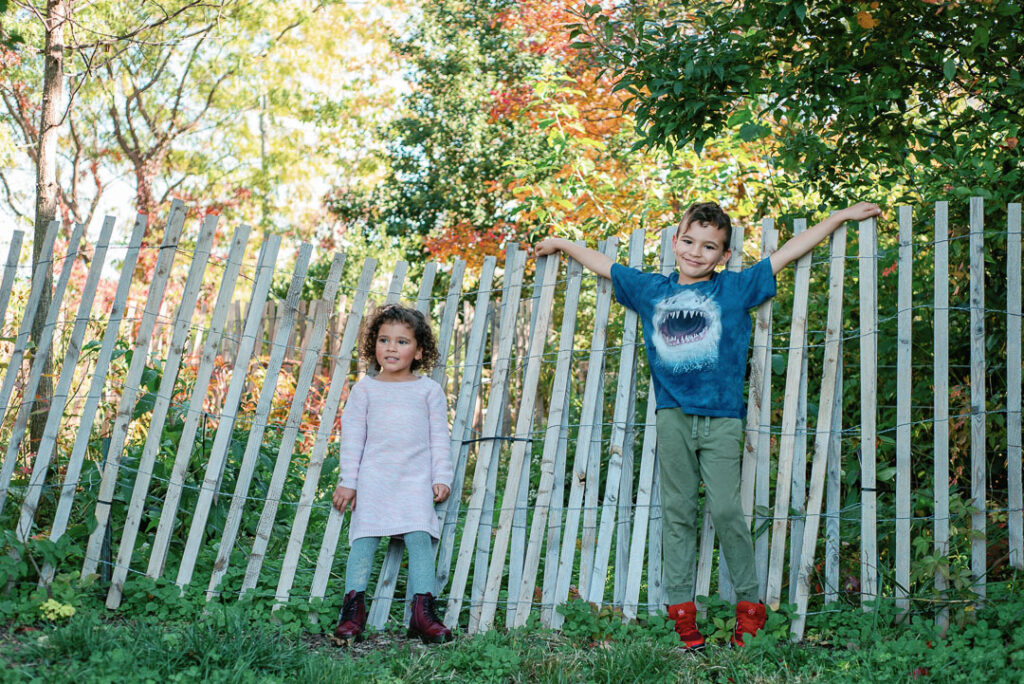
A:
x: 352, y: 620
x: 685, y: 616
x: 424, y: 623
x: 750, y: 619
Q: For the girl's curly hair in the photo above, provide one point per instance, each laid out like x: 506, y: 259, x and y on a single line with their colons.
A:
x: 395, y: 313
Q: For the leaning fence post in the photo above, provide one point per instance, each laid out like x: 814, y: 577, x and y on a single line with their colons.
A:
x: 940, y: 368
x: 904, y: 371
x: 868, y: 286
x: 10, y: 271
x: 1015, y: 524
x: 979, y: 548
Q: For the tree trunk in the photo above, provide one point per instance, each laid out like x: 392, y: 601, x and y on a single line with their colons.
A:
x: 51, y: 117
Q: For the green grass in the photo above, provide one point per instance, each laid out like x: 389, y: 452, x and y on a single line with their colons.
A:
x: 243, y: 646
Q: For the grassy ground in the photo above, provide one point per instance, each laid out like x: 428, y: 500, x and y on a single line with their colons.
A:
x: 233, y: 647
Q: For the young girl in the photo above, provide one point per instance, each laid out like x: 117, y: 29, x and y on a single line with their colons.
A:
x: 394, y: 465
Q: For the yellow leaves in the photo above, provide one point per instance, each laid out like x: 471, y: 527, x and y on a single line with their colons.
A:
x: 53, y: 610
x: 866, y: 20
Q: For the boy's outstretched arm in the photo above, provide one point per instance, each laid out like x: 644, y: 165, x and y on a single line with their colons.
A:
x: 590, y: 258
x: 810, y: 238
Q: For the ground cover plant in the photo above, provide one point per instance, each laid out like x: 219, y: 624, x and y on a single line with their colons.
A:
x: 66, y: 635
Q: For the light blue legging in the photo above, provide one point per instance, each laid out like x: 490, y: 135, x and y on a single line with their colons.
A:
x: 421, y: 563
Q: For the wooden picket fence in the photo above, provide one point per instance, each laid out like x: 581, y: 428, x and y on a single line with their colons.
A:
x: 539, y: 425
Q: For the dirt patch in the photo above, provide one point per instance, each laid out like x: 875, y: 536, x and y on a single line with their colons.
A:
x: 387, y: 640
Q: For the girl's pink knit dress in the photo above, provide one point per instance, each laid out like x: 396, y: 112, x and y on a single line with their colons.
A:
x: 394, y: 447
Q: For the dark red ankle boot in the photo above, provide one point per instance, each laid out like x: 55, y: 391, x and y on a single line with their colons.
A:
x: 352, y: 620
x: 685, y: 617
x: 424, y: 622
x: 750, y: 619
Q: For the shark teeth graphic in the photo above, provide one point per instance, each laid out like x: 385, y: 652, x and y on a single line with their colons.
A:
x: 687, y: 330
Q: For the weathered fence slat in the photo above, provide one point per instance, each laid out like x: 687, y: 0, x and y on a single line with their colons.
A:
x: 626, y: 503
x: 161, y: 405
x: 904, y: 372
x: 486, y: 460
x: 620, y: 417
x: 445, y: 339
x: 34, y: 296
x: 310, y: 363
x: 655, y: 584
x: 788, y: 438
x: 798, y: 491
x: 552, y: 431
x: 592, y: 491
x: 940, y: 379
x: 519, y: 458
x: 126, y: 406
x: 584, y: 438
x: 99, y: 374
x: 979, y: 547
x: 260, y: 422
x: 481, y: 560
x: 1015, y: 522
x: 868, y: 286
x: 194, y: 410
x: 384, y: 592
x: 448, y: 320
x: 833, y: 481
x: 642, y: 514
x: 39, y: 359
x: 655, y: 579
x: 702, y: 578
x: 824, y: 429
x: 332, y: 531
x: 58, y: 403
x: 245, y: 346
x: 756, y: 480
x: 10, y: 271
x: 520, y: 515
x: 462, y: 424
x: 556, y: 505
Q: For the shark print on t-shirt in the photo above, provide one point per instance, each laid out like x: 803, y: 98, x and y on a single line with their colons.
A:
x: 687, y: 330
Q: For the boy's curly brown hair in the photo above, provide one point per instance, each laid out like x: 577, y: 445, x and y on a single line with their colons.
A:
x: 396, y: 313
x: 710, y: 213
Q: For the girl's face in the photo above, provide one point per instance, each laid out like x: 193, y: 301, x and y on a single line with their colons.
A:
x: 396, y: 350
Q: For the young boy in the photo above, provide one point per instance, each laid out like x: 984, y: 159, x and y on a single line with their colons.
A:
x: 696, y: 326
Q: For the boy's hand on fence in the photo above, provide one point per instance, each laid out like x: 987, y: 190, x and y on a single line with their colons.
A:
x: 548, y: 246
x: 344, y: 497
x: 859, y: 212
x: 440, y: 493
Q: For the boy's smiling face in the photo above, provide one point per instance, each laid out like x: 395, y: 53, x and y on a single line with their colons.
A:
x: 699, y: 248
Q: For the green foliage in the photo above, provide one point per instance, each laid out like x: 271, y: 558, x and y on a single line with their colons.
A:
x: 444, y: 148
x: 237, y: 642
x: 488, y: 657
x: 893, y: 100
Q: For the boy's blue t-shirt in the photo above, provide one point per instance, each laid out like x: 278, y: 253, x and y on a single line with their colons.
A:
x: 696, y: 335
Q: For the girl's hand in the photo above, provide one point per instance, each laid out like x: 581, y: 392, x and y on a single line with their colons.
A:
x: 441, y: 493
x: 343, y: 497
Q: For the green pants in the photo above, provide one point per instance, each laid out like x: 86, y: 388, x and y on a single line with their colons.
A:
x: 691, y: 448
